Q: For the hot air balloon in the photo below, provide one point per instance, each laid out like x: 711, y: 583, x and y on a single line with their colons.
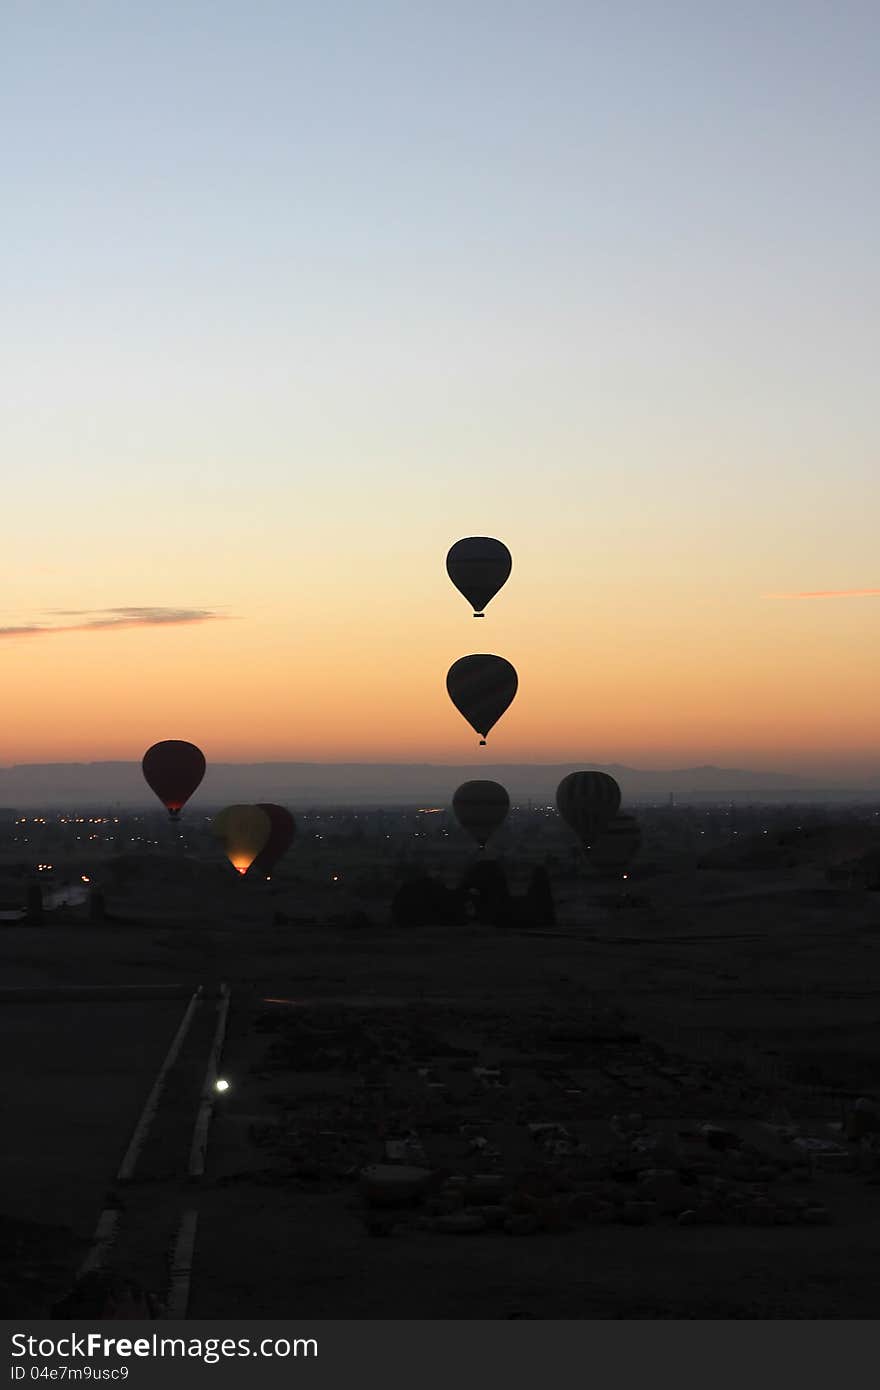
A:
x: 218, y: 824
x: 481, y: 688
x: 281, y: 833
x: 478, y: 566
x: 480, y: 808
x: 616, y: 846
x: 244, y: 831
x: 173, y: 769
x: 587, y: 801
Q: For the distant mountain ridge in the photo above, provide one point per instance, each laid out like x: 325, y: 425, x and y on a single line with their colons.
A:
x: 28, y: 785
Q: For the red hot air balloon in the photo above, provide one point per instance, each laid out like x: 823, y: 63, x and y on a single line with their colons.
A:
x: 281, y: 835
x: 173, y: 769
x: 478, y: 566
x: 481, y: 687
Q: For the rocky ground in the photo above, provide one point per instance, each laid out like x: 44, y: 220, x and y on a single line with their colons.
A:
x: 643, y: 1114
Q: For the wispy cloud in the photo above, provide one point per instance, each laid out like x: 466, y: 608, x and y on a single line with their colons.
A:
x: 831, y: 593
x: 104, y: 619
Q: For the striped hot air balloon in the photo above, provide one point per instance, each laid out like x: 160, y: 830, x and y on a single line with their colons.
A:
x: 587, y: 801
x: 481, y: 688
x: 480, y: 808
x: 616, y: 846
x: 478, y: 566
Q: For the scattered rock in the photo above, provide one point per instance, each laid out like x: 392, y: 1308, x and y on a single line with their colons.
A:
x: 759, y: 1213
x: 307, y: 1172
x: 817, y: 1216
x: 494, y: 1216
x: 627, y: 1125
x: 553, y: 1214
x: 664, y: 1187
x: 484, y: 1189
x: 447, y: 1202
x: 460, y: 1223
x: 378, y: 1224
x: 834, y: 1162
x: 582, y: 1206
x: 718, y: 1138
x: 785, y: 1216
x: 811, y: 1145
x: 521, y: 1225
x: 394, y: 1185
x: 638, y: 1213
x: 522, y: 1202
x: 711, y: 1214
x: 863, y: 1119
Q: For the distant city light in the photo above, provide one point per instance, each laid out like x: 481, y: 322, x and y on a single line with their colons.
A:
x: 85, y: 878
x: 221, y: 1085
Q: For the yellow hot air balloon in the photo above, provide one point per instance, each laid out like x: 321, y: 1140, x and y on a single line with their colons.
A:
x: 244, y: 831
x: 218, y: 824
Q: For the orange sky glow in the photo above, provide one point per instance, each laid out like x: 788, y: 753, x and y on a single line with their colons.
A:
x: 267, y: 355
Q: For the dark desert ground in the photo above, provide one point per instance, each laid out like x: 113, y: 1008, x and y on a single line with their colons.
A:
x: 634, y: 1111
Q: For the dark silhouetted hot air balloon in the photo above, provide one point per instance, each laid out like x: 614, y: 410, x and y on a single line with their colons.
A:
x: 616, y: 846
x: 244, y: 831
x: 478, y: 566
x: 173, y: 769
x: 587, y: 801
x: 480, y: 808
x: 481, y: 688
x: 281, y: 834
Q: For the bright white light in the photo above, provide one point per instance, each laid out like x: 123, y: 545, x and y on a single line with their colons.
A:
x: 221, y: 1085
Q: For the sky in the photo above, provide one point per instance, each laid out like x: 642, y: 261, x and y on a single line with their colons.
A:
x: 295, y: 295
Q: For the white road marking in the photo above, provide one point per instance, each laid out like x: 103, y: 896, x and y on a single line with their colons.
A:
x: 181, y: 1266
x: 198, y: 1150
x: 102, y: 1241
x: 148, y: 1114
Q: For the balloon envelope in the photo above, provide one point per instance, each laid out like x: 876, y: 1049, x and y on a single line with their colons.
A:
x: 480, y: 808
x: 281, y: 833
x: 587, y: 801
x: 481, y: 687
x: 173, y: 769
x: 617, y: 845
x: 218, y: 824
x: 244, y: 831
x: 478, y: 566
